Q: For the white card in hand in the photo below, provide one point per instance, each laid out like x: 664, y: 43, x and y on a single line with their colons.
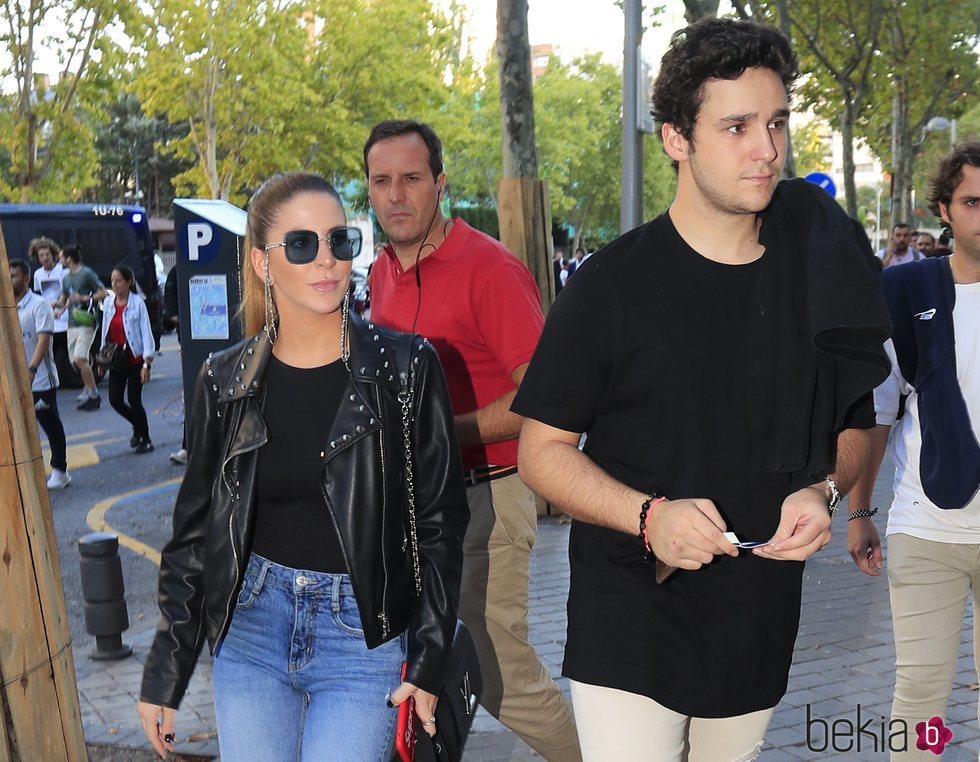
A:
x: 730, y: 536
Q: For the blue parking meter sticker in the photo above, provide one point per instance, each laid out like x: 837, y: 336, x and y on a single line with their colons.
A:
x: 199, y: 242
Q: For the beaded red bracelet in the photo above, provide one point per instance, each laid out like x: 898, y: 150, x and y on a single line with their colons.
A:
x: 648, y: 504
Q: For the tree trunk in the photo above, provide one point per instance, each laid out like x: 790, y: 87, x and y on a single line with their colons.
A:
x: 789, y: 166
x: 516, y: 97
x: 901, y: 151
x: 847, y: 136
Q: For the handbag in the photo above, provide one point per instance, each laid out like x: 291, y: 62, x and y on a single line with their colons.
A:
x: 84, y: 316
x: 463, y: 687
x: 112, y: 356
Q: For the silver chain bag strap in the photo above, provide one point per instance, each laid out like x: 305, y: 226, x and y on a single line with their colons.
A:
x: 403, y: 356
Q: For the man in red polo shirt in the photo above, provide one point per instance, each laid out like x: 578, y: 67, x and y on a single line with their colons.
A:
x: 480, y: 308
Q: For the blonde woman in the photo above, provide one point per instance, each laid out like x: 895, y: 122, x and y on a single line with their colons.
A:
x: 293, y: 552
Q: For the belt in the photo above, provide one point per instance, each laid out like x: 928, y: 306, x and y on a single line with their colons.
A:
x: 481, y: 474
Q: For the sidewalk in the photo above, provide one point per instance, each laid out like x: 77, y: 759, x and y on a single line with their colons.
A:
x: 844, y: 658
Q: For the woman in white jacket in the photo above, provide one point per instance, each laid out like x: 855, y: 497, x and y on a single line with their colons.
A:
x: 125, y: 321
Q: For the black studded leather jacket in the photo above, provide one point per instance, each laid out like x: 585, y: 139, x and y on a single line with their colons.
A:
x: 363, y: 483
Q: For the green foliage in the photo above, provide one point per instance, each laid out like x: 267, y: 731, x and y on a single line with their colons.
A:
x: 928, y: 61
x: 481, y: 217
x: 811, y: 146
x: 469, y: 125
x: 935, y: 147
x: 372, y: 61
x: 130, y: 144
x: 232, y: 72
x: 576, y: 112
x: 270, y: 86
x: 867, y: 206
x: 659, y: 178
x: 46, y: 130
x: 880, y: 69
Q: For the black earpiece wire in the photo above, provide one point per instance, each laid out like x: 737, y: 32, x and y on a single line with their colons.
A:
x: 418, y: 257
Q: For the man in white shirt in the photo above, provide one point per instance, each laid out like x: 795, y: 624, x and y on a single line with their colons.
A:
x: 47, y: 283
x: 934, y: 520
x: 899, y: 250
x: 36, y: 326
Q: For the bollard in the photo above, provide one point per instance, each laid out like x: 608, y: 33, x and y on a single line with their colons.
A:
x: 103, y: 594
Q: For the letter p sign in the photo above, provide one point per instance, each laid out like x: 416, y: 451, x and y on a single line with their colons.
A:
x: 199, y: 242
x: 199, y: 235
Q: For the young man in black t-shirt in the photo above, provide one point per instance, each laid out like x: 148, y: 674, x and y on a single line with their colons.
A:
x: 720, y: 357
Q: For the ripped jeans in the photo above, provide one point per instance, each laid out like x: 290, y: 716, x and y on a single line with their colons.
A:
x: 627, y: 727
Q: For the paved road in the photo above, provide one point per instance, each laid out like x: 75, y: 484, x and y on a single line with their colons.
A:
x: 104, y: 470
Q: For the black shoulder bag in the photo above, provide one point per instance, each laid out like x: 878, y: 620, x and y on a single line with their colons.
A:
x: 464, y: 683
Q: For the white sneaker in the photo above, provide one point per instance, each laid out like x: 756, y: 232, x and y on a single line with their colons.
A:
x: 59, y: 479
x: 179, y: 458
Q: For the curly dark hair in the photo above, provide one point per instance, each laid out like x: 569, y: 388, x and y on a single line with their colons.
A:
x: 950, y: 175
x: 715, y: 49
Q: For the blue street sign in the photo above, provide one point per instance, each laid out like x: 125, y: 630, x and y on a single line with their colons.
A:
x: 824, y: 181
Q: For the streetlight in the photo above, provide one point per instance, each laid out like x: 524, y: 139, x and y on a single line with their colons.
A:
x: 936, y: 124
x: 942, y: 123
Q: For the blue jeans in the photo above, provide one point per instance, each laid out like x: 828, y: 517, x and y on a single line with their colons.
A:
x: 293, y: 680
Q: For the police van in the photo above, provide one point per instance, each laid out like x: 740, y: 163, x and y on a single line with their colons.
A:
x: 108, y: 234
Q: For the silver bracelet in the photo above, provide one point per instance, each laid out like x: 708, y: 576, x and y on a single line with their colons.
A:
x: 862, y: 513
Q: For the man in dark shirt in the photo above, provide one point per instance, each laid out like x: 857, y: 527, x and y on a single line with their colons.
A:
x: 706, y: 365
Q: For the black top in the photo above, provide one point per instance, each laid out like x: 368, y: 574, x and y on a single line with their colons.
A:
x: 649, y: 344
x: 293, y: 526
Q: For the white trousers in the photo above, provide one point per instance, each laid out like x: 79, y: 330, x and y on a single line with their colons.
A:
x: 626, y: 727
x: 929, y: 583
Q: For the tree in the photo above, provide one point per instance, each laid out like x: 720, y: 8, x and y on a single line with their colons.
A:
x: 469, y: 124
x: 936, y: 145
x: 134, y: 159
x: 516, y: 93
x: 659, y: 178
x: 233, y: 72
x: 46, y: 137
x: 271, y: 85
x: 812, y: 145
x: 370, y: 61
x: 838, y: 46
x: 577, y: 107
x: 942, y: 40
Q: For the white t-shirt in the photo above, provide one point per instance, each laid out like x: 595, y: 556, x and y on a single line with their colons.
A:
x: 48, y: 284
x: 912, y: 512
x: 36, y: 317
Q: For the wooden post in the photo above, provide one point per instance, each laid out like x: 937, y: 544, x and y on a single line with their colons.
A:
x: 524, y: 215
x: 523, y: 210
x: 40, y: 717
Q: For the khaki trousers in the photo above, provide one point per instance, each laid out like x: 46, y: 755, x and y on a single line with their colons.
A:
x: 626, y: 727
x: 928, y: 584
x: 517, y: 688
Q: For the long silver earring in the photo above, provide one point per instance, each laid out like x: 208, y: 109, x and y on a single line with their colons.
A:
x: 270, y: 306
x: 344, y: 343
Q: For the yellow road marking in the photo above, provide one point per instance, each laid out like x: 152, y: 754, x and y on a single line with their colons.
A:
x: 96, y: 520
x: 78, y: 455
x: 85, y: 435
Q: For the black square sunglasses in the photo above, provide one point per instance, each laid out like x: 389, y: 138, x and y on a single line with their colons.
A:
x: 302, y: 245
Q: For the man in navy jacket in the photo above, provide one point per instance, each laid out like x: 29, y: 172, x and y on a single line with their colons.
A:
x: 934, y: 520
